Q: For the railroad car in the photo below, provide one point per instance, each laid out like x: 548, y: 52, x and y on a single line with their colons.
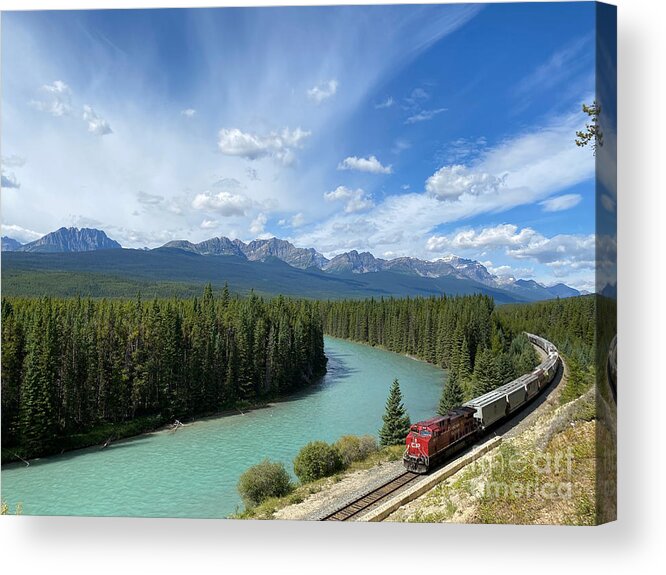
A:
x: 431, y: 441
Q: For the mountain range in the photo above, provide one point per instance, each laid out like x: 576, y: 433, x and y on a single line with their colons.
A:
x: 349, y: 264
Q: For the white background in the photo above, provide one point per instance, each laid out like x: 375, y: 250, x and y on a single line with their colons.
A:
x: 633, y: 544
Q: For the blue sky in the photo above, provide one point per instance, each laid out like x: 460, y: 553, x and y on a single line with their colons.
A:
x: 401, y: 130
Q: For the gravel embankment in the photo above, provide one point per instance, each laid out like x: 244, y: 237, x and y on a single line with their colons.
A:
x: 335, y: 495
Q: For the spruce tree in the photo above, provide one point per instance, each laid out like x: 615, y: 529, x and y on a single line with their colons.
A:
x: 396, y: 421
x: 485, y: 373
x: 452, y: 395
x: 506, y: 371
x: 465, y: 361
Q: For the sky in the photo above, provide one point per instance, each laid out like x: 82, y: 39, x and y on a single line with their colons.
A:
x: 412, y: 130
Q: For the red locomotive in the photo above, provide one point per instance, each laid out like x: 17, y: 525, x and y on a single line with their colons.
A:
x: 432, y: 440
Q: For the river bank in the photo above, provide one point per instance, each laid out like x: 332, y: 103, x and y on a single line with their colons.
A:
x: 193, y: 472
x: 108, y: 433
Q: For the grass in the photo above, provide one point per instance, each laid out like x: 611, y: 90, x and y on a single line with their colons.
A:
x: 555, y: 485
x: 438, y: 506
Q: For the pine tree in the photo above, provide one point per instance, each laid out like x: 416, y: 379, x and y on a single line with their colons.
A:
x: 396, y: 421
x: 452, y: 395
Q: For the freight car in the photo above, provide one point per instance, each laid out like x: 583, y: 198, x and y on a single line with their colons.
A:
x: 431, y: 441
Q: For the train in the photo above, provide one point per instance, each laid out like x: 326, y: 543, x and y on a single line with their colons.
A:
x: 434, y: 440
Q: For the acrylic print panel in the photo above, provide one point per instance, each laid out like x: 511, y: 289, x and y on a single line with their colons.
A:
x: 314, y: 263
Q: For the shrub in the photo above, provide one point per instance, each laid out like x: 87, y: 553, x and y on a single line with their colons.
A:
x: 317, y: 459
x: 354, y: 448
x: 264, y: 480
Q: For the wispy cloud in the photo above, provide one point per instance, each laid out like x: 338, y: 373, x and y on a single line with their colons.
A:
x: 12, y: 161
x: 564, y: 63
x: 561, y: 203
x: 521, y: 170
x: 388, y: 103
x: 462, y: 150
x: 189, y: 112
x: 323, y: 91
x: 424, y: 116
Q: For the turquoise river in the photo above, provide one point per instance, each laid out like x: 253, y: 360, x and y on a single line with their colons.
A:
x: 193, y: 472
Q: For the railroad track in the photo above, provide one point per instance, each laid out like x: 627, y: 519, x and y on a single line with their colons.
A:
x: 373, y: 497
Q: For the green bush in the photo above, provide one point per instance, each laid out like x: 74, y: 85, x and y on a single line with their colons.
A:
x: 354, y: 448
x: 317, y: 459
x: 264, y: 480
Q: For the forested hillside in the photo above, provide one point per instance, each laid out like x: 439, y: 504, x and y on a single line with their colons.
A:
x: 461, y: 334
x: 71, y: 365
x: 568, y: 323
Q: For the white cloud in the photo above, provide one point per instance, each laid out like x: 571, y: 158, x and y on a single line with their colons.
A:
x: 323, y: 91
x: 521, y: 170
x: 279, y: 145
x: 224, y: 203
x: 148, y: 152
x: 451, y: 182
x: 96, y: 124
x: 370, y: 164
x: 356, y: 200
x: 257, y: 226
x: 385, y: 104
x: 565, y: 255
x: 8, y: 180
x: 561, y: 203
x: 504, y: 235
x: 57, y: 99
x: 207, y: 224
x: 297, y: 220
x: 506, y: 272
x: 424, y: 115
x: 23, y: 235
x: 189, y: 112
x: 571, y: 251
